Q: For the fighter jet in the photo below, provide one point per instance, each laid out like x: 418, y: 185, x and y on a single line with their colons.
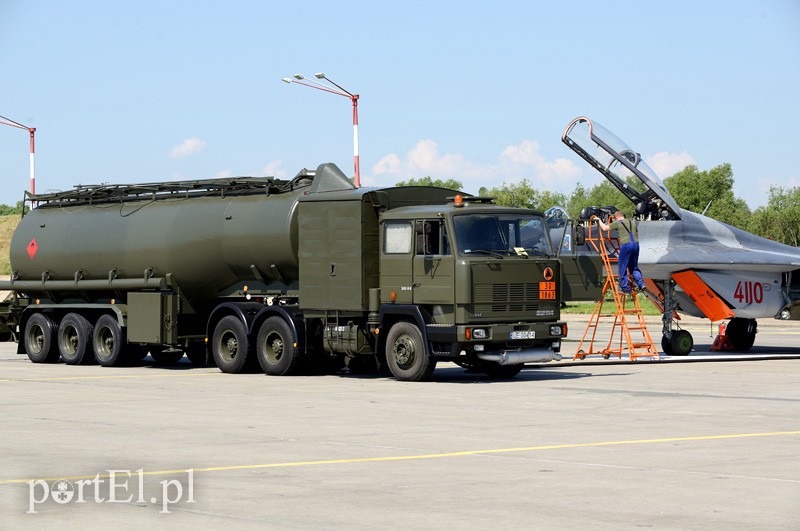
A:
x: 694, y: 264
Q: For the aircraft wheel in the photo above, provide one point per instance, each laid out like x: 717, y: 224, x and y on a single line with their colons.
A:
x: 742, y: 333
x: 681, y: 342
x: 666, y: 346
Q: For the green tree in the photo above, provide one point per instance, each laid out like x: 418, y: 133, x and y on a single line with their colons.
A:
x: 452, y: 184
x: 709, y: 191
x: 6, y: 210
x: 524, y: 195
x: 779, y: 220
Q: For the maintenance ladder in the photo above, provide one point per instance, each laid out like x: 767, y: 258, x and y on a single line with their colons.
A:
x: 621, y: 328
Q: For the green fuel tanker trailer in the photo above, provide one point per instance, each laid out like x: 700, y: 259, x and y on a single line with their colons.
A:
x: 284, y: 274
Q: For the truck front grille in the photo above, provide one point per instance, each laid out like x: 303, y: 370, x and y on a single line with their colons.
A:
x: 506, y: 297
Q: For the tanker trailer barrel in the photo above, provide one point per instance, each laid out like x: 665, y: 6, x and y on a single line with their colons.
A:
x: 206, y: 235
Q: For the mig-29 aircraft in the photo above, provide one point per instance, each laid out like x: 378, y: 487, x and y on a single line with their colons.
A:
x: 698, y: 265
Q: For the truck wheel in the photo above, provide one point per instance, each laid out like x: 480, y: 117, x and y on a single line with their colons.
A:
x: 40, y: 339
x: 406, y: 354
x: 166, y: 357
x: 134, y: 353
x: 495, y: 370
x: 277, y: 351
x: 196, y: 352
x: 108, y: 341
x: 74, y: 339
x: 230, y: 345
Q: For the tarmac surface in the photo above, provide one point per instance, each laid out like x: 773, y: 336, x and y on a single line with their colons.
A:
x: 707, y: 441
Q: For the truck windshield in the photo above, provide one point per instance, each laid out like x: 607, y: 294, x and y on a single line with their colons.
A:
x: 501, y: 234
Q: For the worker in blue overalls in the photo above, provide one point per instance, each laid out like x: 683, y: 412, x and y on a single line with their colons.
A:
x: 628, y: 250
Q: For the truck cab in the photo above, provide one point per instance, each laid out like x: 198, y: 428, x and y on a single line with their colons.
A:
x: 470, y: 282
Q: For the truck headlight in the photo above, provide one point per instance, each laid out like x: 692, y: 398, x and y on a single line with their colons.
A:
x: 556, y: 331
x: 479, y: 333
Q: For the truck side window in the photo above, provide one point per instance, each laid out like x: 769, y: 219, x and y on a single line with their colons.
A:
x: 431, y: 238
x: 397, y: 238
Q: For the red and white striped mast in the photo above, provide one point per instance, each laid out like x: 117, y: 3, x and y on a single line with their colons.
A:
x: 32, y: 131
x: 300, y: 80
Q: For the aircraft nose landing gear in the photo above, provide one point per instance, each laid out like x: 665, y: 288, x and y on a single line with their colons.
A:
x: 680, y: 344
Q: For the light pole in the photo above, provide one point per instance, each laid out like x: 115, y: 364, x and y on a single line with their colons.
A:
x: 338, y: 90
x: 32, y: 131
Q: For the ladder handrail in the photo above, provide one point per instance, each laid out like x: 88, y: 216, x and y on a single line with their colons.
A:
x: 601, y: 244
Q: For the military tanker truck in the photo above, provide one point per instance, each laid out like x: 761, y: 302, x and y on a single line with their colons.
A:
x: 287, y: 275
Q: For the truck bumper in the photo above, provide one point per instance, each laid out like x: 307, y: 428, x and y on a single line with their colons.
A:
x: 515, y: 357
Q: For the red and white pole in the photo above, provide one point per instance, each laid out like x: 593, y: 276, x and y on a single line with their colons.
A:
x: 31, y: 131
x: 33, y: 165
x: 354, y: 97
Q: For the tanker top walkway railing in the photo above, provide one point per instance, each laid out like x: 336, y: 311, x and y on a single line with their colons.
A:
x: 118, y: 193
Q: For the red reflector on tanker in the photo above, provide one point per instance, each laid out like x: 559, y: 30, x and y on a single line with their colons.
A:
x: 393, y: 296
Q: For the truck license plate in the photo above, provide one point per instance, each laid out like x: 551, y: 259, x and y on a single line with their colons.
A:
x: 527, y: 334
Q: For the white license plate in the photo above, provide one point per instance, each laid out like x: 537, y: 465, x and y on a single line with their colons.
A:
x: 526, y: 334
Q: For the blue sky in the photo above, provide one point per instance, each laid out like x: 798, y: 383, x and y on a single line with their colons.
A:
x: 479, y: 91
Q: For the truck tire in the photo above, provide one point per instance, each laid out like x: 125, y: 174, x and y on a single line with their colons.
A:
x: 75, y: 339
x: 166, y: 357
x: 230, y: 345
x: 40, y: 339
x: 277, y: 349
x: 406, y: 354
x: 495, y: 370
x: 196, y: 352
x: 108, y: 341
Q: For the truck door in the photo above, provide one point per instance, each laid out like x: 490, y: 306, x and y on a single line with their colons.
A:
x: 397, y: 254
x: 433, y: 266
x: 582, y: 272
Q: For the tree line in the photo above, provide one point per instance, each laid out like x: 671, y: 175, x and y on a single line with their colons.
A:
x: 708, y: 192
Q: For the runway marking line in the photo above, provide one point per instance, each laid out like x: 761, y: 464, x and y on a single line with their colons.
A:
x: 423, y: 456
x: 106, y: 377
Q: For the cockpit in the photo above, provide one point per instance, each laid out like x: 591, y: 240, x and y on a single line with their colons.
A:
x: 623, y: 167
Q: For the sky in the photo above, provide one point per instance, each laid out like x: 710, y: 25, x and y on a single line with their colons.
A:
x: 151, y: 91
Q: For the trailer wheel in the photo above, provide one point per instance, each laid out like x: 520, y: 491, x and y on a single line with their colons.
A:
x: 40, y: 339
x: 406, y: 354
x: 276, y: 348
x: 108, y: 341
x: 230, y: 345
x: 74, y: 339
